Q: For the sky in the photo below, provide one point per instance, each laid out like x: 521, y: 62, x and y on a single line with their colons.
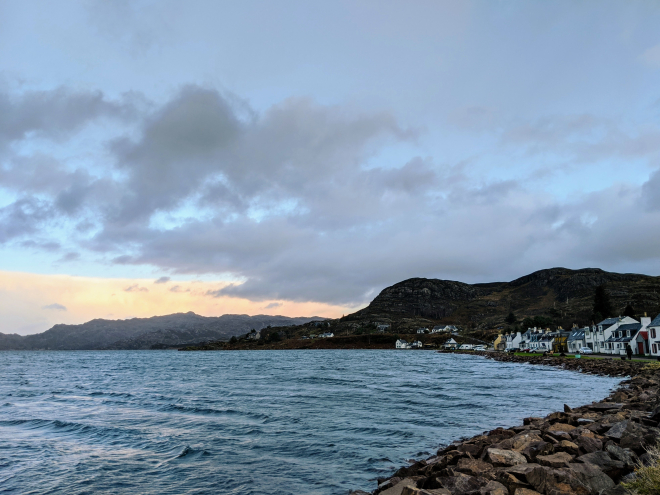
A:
x: 298, y: 157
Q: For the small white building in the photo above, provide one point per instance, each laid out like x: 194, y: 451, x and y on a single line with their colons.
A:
x: 466, y: 347
x: 254, y: 335
x: 451, y: 344
x: 326, y: 335
x: 596, y: 335
x: 402, y: 344
x: 576, y: 340
x: 417, y: 345
x: 513, y: 341
x: 422, y: 330
x: 382, y: 327
x: 654, y: 336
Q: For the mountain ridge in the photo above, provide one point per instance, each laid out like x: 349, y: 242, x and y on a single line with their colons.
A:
x: 145, y: 333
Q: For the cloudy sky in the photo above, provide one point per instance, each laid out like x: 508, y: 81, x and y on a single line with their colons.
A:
x: 297, y: 157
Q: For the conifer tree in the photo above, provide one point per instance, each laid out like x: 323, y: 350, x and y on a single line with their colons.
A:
x: 602, y: 304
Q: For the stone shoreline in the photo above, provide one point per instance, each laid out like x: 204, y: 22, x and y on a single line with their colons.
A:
x: 586, y: 450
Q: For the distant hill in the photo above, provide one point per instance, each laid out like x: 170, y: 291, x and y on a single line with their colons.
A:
x: 562, y: 295
x: 145, y: 333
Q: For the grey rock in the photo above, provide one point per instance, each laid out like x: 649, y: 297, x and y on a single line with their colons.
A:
x: 591, y: 477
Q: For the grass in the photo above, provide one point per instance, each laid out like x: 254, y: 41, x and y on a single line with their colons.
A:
x: 647, y: 478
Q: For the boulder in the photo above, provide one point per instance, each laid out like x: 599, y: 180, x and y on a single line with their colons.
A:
x: 398, y: 488
x: 523, y: 440
x: 538, y: 448
x: 628, y: 457
x: 555, y: 482
x: 525, y: 491
x: 613, y: 468
x: 567, y: 446
x: 557, y: 460
x: 617, y: 430
x: 463, y: 484
x: 591, y: 477
x: 494, y: 488
x: 565, y: 427
x: 475, y: 467
x: 499, y: 457
x: 408, y: 490
x: 587, y: 444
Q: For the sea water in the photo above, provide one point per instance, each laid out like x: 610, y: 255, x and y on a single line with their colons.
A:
x: 253, y: 422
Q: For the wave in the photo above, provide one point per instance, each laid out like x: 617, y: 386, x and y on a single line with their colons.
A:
x: 214, y: 412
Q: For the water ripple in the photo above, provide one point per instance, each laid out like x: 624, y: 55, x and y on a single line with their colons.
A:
x: 290, y: 422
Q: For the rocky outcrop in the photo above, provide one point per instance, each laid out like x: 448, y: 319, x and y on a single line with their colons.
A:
x: 582, y: 451
x: 564, y: 295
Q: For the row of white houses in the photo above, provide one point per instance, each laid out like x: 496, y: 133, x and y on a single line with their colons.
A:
x: 610, y: 336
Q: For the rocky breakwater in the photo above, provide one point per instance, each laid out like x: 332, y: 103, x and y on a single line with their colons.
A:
x: 587, y: 450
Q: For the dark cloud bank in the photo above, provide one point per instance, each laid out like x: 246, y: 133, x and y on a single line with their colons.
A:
x: 293, y: 202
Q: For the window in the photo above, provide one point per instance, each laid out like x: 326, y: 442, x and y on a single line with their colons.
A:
x: 620, y: 334
x: 653, y: 333
x: 655, y: 348
x: 627, y: 333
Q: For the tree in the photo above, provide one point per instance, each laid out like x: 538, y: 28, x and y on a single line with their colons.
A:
x: 602, y: 303
x: 629, y: 311
x: 511, y: 319
x: 233, y: 340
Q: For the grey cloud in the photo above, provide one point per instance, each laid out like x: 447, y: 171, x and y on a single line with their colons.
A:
x: 55, y: 306
x: 23, y: 217
x: 651, y: 192
x: 68, y: 257
x: 55, y: 114
x: 135, y: 288
x: 162, y: 280
x: 291, y: 202
x: 273, y: 305
x: 50, y: 246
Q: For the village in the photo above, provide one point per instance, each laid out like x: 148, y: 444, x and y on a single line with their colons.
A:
x: 618, y: 336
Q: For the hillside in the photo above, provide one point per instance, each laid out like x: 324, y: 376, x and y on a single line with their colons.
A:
x: 558, y: 294
x: 145, y: 333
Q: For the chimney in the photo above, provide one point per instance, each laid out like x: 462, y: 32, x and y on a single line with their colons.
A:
x: 645, y: 321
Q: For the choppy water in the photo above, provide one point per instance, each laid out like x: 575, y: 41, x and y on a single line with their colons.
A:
x: 270, y: 422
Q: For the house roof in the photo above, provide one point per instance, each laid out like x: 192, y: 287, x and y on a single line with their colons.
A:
x: 655, y: 322
x: 622, y: 339
x: 630, y: 326
x: 609, y: 321
x: 576, y: 335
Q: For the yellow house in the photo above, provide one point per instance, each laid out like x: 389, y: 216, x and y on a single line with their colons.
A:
x: 500, y: 343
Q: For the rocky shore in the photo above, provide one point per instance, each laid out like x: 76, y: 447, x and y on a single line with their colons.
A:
x: 582, y: 451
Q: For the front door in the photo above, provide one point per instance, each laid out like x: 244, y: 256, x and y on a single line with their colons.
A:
x: 640, y: 347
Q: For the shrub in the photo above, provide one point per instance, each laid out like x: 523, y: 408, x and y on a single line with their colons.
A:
x: 646, y: 480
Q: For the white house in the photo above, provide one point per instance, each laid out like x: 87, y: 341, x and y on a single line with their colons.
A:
x: 513, y: 340
x: 444, y: 328
x: 254, y: 335
x: 383, y: 327
x: 451, y: 344
x: 417, y: 345
x: 466, y: 347
x: 654, y: 336
x: 422, y: 330
x: 576, y: 340
x: 634, y: 335
x: 596, y: 335
x: 326, y: 335
x: 402, y: 344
